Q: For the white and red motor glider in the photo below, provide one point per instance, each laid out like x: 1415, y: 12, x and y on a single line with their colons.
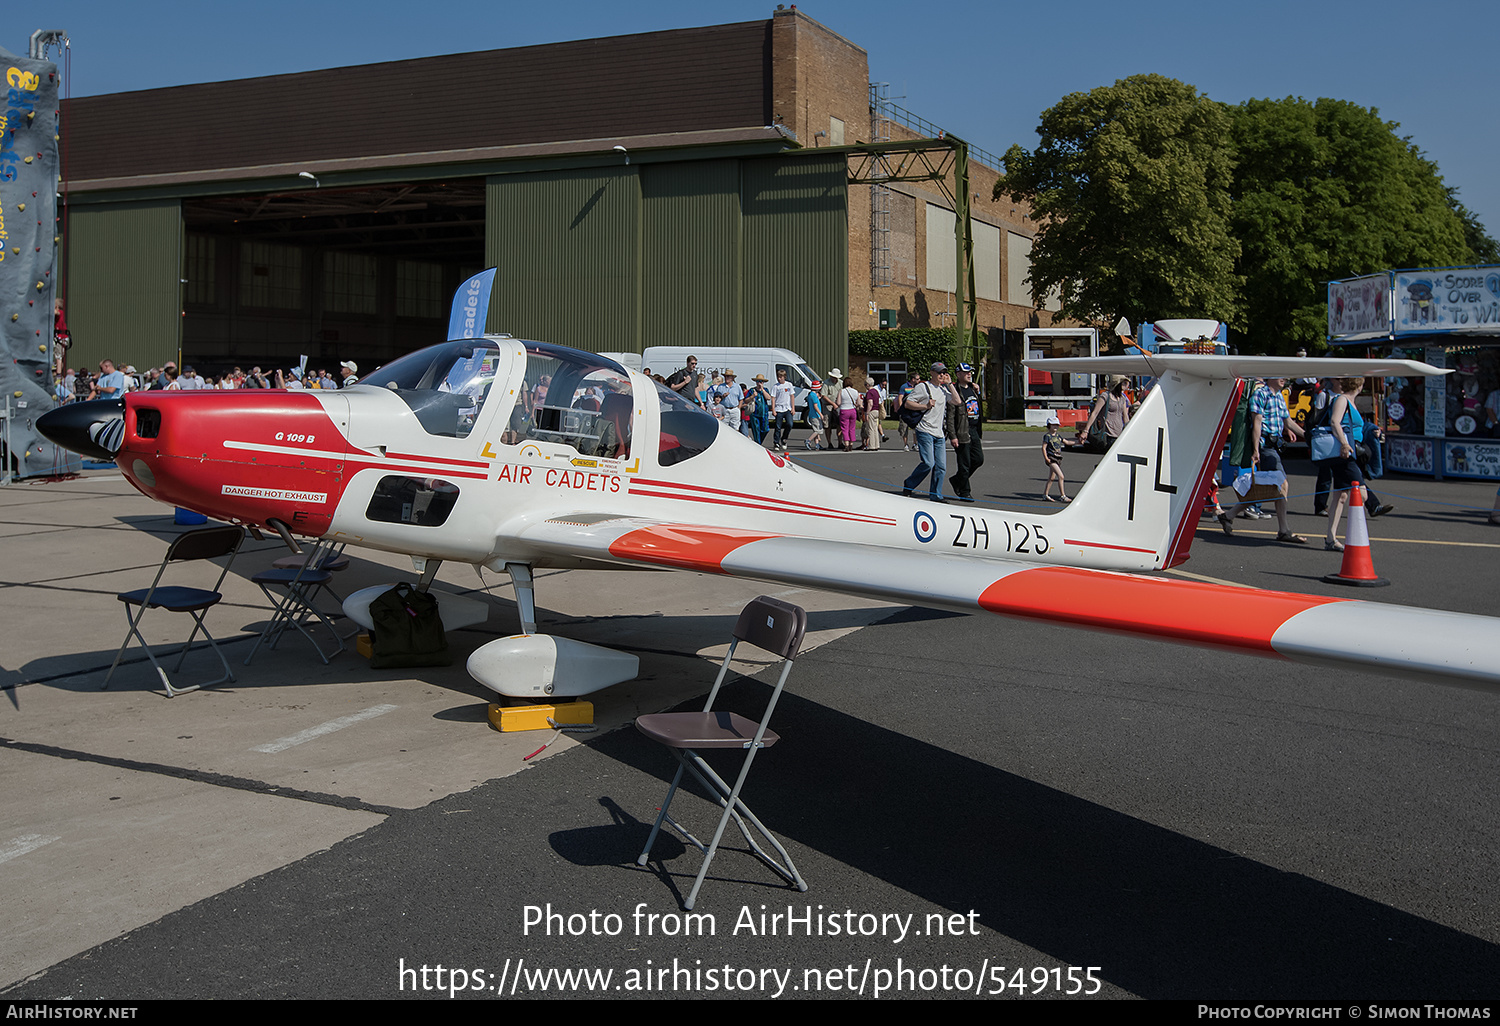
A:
x: 516, y: 455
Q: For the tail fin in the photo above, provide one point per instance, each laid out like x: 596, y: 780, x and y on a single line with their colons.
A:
x: 1140, y: 507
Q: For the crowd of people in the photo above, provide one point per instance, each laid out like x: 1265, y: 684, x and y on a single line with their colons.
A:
x: 849, y: 414
x: 933, y: 413
x: 112, y: 381
x: 938, y: 412
x: 1343, y: 446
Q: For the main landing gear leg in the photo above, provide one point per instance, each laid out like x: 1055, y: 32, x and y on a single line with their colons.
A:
x: 428, y: 568
x: 520, y: 579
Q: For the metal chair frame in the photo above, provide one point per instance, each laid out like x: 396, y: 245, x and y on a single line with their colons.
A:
x: 205, y: 543
x: 332, y: 559
x: 777, y: 627
x: 293, y: 607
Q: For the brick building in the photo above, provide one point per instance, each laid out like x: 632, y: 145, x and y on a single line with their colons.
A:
x: 901, y: 249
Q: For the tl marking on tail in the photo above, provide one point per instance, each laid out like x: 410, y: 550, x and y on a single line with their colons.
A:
x: 1141, y: 461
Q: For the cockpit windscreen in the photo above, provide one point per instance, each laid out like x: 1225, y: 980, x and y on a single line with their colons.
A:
x: 445, y: 385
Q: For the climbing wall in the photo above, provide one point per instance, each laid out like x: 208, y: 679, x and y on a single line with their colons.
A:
x: 28, y: 233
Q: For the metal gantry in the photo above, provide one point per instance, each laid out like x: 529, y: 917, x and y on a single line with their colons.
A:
x: 936, y: 161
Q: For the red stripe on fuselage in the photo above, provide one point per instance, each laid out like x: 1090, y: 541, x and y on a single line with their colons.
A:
x: 761, y: 505
x: 1102, y: 545
x: 481, y: 464
x: 1205, y: 614
x: 1187, y: 528
x: 701, y: 493
x: 356, y: 465
x: 686, y: 548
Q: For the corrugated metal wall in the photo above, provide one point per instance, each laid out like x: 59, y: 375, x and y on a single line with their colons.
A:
x: 748, y: 251
x: 796, y: 268
x: 690, y: 259
x: 124, y: 262
x: 566, y: 245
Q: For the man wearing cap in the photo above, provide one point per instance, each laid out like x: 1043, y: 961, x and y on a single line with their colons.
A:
x: 783, y: 399
x: 758, y: 401
x: 350, y: 371
x: 728, y: 395
x: 970, y: 453
x: 935, y: 396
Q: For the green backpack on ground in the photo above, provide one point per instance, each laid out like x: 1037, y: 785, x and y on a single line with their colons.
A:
x: 407, y: 630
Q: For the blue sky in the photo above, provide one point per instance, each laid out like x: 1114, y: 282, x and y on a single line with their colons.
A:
x: 984, y: 71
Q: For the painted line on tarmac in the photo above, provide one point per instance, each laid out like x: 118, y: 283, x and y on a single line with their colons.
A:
x: 200, y: 777
x: 23, y: 844
x: 1408, y: 541
x: 282, y: 744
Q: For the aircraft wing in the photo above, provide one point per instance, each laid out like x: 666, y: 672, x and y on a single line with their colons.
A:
x: 1157, y: 364
x: 1404, y: 641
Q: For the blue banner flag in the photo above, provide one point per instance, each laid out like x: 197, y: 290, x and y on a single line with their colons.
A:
x: 471, y: 304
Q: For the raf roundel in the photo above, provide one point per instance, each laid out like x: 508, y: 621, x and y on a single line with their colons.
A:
x: 924, y: 526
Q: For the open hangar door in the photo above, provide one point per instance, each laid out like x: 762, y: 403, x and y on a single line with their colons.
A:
x: 362, y: 274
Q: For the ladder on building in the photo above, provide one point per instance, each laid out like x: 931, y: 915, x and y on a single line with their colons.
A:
x: 880, y: 194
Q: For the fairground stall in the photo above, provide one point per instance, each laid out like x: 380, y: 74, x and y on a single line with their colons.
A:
x: 1064, y: 396
x: 1449, y: 317
x: 1068, y: 397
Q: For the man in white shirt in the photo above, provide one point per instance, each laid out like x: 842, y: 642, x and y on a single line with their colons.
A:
x: 783, y: 397
x: 933, y: 397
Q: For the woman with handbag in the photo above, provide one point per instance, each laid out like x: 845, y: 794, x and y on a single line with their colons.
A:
x: 1332, y: 442
x: 1111, y: 412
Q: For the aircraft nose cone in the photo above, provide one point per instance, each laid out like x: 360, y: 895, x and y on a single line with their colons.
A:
x: 95, y: 429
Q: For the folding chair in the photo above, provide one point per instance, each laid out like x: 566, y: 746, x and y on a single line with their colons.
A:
x: 290, y: 590
x: 331, y: 559
x: 206, y: 543
x: 777, y: 627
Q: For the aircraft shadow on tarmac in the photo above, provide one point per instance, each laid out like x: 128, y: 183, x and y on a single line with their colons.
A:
x: 1170, y: 916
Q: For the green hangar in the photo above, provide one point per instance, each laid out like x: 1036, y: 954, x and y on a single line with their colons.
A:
x: 653, y: 189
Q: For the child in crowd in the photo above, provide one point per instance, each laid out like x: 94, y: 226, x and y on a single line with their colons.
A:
x: 1052, y: 452
x: 815, y: 415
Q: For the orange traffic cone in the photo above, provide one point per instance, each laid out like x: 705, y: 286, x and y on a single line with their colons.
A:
x: 1358, y: 569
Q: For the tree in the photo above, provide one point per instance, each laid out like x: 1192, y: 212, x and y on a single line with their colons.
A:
x: 1153, y: 201
x: 1130, y: 189
x: 1484, y: 248
x: 1328, y: 190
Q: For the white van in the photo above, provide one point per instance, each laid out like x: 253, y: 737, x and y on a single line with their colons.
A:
x: 745, y: 362
x: 630, y: 361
